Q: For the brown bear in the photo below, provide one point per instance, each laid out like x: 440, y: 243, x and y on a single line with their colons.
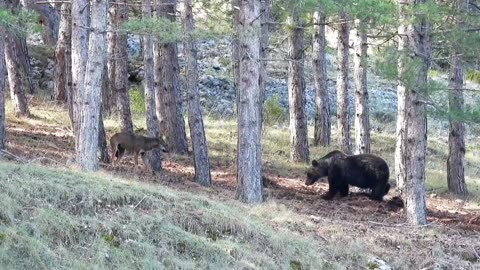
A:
x: 365, y: 171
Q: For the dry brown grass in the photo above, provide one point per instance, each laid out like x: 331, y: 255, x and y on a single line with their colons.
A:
x: 342, y: 234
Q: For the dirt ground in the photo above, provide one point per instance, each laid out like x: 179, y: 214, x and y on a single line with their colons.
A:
x: 457, y: 220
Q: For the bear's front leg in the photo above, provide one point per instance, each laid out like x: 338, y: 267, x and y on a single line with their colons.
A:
x: 344, y: 191
x: 332, y: 191
x: 333, y: 180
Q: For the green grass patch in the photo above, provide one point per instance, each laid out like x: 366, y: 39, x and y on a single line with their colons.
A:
x: 53, y: 219
x: 273, y: 112
x: 473, y: 75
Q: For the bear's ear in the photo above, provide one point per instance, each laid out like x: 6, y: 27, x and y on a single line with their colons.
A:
x: 314, y: 163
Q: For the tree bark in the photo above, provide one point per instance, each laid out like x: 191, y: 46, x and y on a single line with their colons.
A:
x: 17, y: 92
x: 121, y: 72
x: 362, y: 120
x: 265, y: 9
x: 249, y: 148
x: 456, y: 138
x: 169, y: 107
x: 413, y: 62
x: 91, y: 98
x: 102, y: 135
x: 102, y: 140
x: 22, y: 54
x: 153, y: 157
x: 80, y: 18
x: 3, y: 70
x: 109, y: 106
x: 63, y: 55
x: 296, y: 91
x: 236, y: 50
x: 343, y: 117
x: 195, y: 119
x: 322, y: 133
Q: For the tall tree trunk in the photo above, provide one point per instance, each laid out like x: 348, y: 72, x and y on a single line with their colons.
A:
x: 323, y: 124
x: 236, y: 50
x: 296, y: 91
x: 102, y: 135
x: 17, y: 93
x: 69, y: 81
x: 456, y: 138
x: 343, y: 117
x: 3, y: 70
x: 265, y: 9
x: 195, y: 119
x: 249, y: 148
x: 12, y: 54
x: 102, y: 140
x: 109, y: 97
x: 413, y: 62
x: 169, y: 107
x: 121, y: 71
x: 91, y: 98
x: 80, y: 19
x: 153, y: 157
x: 362, y: 120
x: 62, y: 55
x: 22, y: 53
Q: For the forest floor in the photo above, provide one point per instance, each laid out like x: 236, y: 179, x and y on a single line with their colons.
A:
x: 349, y: 230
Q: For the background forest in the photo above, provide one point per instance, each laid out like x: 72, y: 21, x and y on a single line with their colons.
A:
x: 245, y: 94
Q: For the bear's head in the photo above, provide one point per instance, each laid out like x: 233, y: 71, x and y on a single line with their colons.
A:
x: 318, y: 170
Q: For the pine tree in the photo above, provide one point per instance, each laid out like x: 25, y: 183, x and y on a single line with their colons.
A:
x: 236, y: 49
x: 296, y: 90
x: 80, y: 13
x: 63, y: 55
x: 265, y: 10
x: 249, y: 148
x: 153, y: 157
x: 195, y: 120
x: 108, y: 93
x: 17, y: 91
x: 413, y: 65
x: 169, y: 106
x: 2, y: 88
x: 362, y: 121
x: 119, y: 82
x: 456, y: 138
x: 343, y: 119
x: 90, y: 100
x: 323, y: 124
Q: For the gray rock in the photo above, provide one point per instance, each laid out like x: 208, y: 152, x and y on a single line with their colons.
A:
x: 133, y: 45
x: 377, y: 264
x: 140, y: 75
x: 35, y: 39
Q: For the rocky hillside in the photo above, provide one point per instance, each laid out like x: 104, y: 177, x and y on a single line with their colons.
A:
x: 216, y: 87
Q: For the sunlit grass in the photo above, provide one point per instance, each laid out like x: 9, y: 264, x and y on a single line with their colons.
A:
x: 56, y: 219
x: 222, y: 139
x: 276, y: 153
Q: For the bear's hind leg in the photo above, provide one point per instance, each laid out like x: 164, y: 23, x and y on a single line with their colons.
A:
x: 344, y: 191
x: 378, y: 192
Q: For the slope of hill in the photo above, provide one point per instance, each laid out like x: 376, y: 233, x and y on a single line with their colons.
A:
x: 56, y: 219
x: 125, y: 218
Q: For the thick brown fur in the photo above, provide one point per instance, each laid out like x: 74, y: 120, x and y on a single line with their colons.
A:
x: 364, y: 171
x: 136, y: 144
